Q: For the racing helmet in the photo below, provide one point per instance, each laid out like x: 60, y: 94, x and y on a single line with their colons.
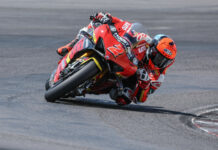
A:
x: 162, y: 53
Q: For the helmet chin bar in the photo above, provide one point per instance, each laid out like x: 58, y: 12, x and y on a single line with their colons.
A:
x: 156, y: 59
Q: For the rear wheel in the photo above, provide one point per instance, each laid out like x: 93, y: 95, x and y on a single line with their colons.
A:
x: 85, y: 72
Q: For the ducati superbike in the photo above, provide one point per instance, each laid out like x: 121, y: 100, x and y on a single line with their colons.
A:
x: 97, y: 64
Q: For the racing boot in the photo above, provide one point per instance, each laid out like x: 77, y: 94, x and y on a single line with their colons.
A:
x: 62, y: 51
x: 123, y: 97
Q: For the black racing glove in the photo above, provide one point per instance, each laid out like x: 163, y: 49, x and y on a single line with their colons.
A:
x: 104, y: 18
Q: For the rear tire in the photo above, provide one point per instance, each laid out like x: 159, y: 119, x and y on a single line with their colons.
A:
x: 86, y: 72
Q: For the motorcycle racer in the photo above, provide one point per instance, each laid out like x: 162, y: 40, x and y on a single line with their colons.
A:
x: 152, y: 57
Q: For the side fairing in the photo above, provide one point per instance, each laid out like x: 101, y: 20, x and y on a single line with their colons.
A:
x: 83, y: 44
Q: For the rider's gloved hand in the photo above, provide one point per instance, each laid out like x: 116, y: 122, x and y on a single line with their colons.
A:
x: 143, y: 77
x: 103, y: 18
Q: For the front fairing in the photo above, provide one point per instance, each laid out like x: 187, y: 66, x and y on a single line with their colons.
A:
x: 114, y: 50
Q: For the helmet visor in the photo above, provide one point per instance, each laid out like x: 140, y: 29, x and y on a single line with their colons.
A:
x: 158, y: 59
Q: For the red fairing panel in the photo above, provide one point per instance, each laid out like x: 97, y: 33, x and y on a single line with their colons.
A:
x: 114, y: 50
x: 63, y: 63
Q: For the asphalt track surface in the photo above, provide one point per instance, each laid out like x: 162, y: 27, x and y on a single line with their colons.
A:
x: 31, y: 31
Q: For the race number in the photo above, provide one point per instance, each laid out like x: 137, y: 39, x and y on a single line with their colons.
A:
x: 116, y: 50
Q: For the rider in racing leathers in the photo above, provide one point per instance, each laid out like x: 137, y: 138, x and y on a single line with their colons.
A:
x: 158, y: 54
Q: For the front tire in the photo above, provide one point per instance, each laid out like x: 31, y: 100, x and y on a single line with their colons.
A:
x: 88, y: 71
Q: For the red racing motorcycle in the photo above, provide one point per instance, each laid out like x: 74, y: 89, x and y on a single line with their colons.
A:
x: 97, y: 63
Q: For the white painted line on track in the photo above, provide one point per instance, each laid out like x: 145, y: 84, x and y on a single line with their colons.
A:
x: 209, y: 129
x: 206, y: 122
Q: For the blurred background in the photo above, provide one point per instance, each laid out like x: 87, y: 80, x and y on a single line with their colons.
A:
x: 32, y: 30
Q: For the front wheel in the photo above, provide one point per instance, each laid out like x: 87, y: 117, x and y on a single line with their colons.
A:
x: 86, y: 72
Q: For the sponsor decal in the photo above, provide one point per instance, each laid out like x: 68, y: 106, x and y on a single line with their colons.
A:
x: 126, y: 26
x: 167, y: 51
x: 124, y: 42
x: 142, y: 49
x: 141, y: 36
